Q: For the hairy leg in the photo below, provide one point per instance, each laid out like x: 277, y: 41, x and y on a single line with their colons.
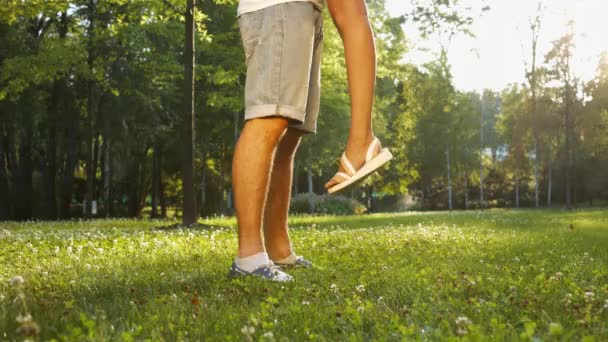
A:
x: 276, y: 211
x: 251, y: 167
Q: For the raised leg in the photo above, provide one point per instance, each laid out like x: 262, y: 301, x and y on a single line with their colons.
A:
x: 350, y: 17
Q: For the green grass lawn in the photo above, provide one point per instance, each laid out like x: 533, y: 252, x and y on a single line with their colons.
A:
x: 491, y: 275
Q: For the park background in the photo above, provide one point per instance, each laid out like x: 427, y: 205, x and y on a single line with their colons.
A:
x: 97, y: 104
x: 117, y: 124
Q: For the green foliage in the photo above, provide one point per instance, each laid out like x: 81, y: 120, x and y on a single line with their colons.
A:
x: 478, y: 275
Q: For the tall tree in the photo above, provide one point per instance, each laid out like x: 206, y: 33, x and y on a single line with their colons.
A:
x: 189, y: 214
x: 560, y: 60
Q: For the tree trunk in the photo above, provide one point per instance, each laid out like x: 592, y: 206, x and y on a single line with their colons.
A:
x: 189, y: 216
x: 481, y: 205
x: 466, y: 193
x: 203, y: 204
x: 71, y: 147
x: 54, y: 112
x: 369, y: 199
x: 568, y: 185
x: 107, y: 175
x: 51, y: 152
x: 4, y: 195
x: 550, y: 186
x: 311, y: 202
x: 142, y: 185
x: 24, y: 177
x: 133, y: 186
x: 516, y: 192
x: 447, y: 157
x: 163, y: 201
x: 91, y: 92
x: 536, y: 177
x: 422, y: 195
x: 155, y: 180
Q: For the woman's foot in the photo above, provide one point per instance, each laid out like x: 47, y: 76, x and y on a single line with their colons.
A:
x: 357, y: 162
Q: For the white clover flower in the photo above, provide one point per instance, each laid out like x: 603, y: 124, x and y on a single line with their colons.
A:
x: 463, y: 321
x: 247, y: 330
x: 360, y: 309
x: 24, y: 319
x: 87, y: 266
x: 305, y: 302
x: 517, y: 259
x: 559, y: 274
x: 57, y: 249
x: 461, y: 331
x: 589, y: 296
x: 334, y: 287
x: 174, y: 296
x: 69, y: 249
x: 268, y: 334
x: 606, y: 304
x: 17, y: 281
x: 73, y: 282
x: 360, y: 288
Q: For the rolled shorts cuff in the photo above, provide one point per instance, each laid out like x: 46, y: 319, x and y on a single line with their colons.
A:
x: 260, y: 111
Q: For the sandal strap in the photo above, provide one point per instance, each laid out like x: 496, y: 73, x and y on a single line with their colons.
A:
x: 347, y: 165
x: 342, y: 175
x: 371, y: 149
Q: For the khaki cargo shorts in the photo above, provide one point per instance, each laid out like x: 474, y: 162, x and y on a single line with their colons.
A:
x: 283, y: 46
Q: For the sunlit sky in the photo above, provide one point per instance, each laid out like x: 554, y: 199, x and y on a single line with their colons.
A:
x: 495, y: 57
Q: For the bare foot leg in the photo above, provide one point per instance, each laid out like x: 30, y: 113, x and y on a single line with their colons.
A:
x: 350, y: 17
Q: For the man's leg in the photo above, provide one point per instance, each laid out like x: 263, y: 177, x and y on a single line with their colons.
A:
x: 251, y: 167
x: 276, y: 211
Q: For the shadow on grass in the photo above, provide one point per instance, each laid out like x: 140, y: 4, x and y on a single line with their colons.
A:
x: 179, y: 226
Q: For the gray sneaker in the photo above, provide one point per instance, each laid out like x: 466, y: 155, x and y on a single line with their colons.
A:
x: 271, y: 272
x: 300, y: 262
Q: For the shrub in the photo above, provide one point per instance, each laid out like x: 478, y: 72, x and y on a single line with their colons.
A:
x: 326, y: 205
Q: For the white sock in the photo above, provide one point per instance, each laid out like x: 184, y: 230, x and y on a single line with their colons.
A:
x: 289, y: 260
x: 253, y: 262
